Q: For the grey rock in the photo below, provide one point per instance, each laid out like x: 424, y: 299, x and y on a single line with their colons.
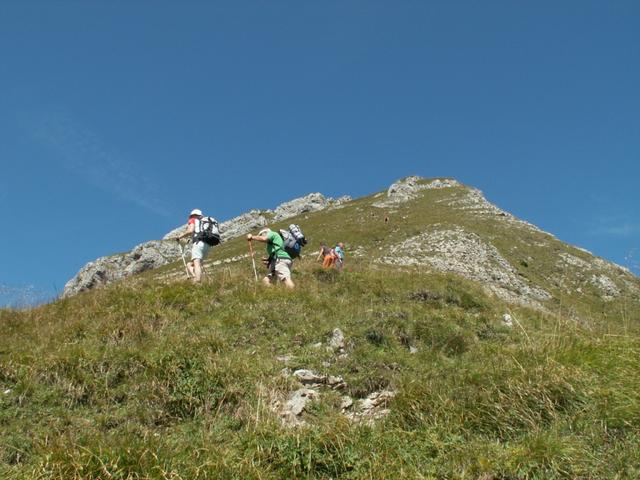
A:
x: 454, y: 250
x: 310, y: 203
x: 243, y: 224
x: 105, y: 270
x: 290, y: 412
x: 310, y: 378
x: 346, y: 403
x: 299, y: 399
x: 408, y: 188
x: 607, y: 287
x: 372, y: 408
x: 336, y: 343
x: 507, y: 321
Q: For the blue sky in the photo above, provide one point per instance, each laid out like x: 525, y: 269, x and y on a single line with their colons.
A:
x: 117, y: 118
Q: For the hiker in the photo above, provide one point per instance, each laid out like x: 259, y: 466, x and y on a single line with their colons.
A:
x: 327, y: 255
x: 338, y: 250
x: 279, y: 261
x: 204, y: 234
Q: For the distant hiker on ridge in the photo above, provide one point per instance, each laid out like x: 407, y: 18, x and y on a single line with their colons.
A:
x: 204, y: 234
x: 279, y: 262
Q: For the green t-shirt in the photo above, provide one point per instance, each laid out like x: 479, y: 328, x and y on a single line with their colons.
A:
x: 275, y: 246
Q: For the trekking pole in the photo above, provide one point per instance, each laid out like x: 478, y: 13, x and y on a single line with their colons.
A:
x: 253, y: 260
x: 183, y: 259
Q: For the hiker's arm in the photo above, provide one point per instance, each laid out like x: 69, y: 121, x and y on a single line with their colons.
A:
x: 259, y: 238
x: 190, y: 228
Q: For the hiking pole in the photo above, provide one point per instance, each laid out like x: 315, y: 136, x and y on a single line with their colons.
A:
x: 183, y: 259
x: 253, y: 260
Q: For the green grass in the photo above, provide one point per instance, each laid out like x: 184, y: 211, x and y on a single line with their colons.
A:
x: 144, y: 380
x: 157, y: 379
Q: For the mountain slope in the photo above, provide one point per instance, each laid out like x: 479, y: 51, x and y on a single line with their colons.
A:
x: 404, y: 365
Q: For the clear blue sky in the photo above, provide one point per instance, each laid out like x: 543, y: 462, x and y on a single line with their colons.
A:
x: 117, y: 118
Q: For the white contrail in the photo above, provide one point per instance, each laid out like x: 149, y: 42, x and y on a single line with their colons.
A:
x: 81, y: 152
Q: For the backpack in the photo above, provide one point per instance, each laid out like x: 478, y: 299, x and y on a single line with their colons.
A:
x: 293, y: 240
x: 208, y: 231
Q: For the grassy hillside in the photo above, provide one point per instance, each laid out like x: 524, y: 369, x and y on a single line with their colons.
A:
x: 156, y: 378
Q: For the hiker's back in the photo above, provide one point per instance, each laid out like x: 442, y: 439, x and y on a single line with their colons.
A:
x: 207, y: 231
x: 293, y: 240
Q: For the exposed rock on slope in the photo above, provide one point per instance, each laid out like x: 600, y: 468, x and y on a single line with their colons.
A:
x: 408, y: 188
x: 465, y: 253
x: 311, y: 203
x: 106, y: 270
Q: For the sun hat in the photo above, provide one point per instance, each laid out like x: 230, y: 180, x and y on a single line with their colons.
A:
x: 195, y: 211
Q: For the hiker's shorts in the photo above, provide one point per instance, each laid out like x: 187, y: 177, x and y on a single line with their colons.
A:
x: 199, y: 250
x: 281, y: 269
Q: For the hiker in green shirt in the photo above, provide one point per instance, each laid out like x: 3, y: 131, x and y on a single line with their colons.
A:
x: 279, y: 261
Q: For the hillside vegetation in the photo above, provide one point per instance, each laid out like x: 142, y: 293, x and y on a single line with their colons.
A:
x: 156, y: 378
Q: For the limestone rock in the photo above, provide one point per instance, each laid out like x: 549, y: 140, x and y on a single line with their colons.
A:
x: 465, y: 253
x: 299, y: 400
x: 336, y: 343
x: 106, y: 270
x: 293, y: 408
x: 507, y: 321
x: 310, y: 378
x: 372, y: 408
x: 606, y: 286
x: 346, y: 403
x: 310, y: 203
x: 408, y: 188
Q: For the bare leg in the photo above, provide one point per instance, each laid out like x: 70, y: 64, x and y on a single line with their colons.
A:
x: 190, y: 269
x: 266, y: 281
x: 289, y: 283
x: 197, y: 270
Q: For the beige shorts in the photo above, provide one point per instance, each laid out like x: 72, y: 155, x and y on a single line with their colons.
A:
x: 199, y: 250
x: 280, y: 268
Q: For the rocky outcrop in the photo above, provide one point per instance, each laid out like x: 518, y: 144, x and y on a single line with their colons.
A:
x: 609, y: 290
x: 291, y: 407
x: 467, y: 254
x: 311, y: 203
x: 106, y: 270
x: 408, y: 188
x: 368, y: 410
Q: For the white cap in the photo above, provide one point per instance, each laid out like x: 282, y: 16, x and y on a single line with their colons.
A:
x: 264, y: 231
x: 196, y: 211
